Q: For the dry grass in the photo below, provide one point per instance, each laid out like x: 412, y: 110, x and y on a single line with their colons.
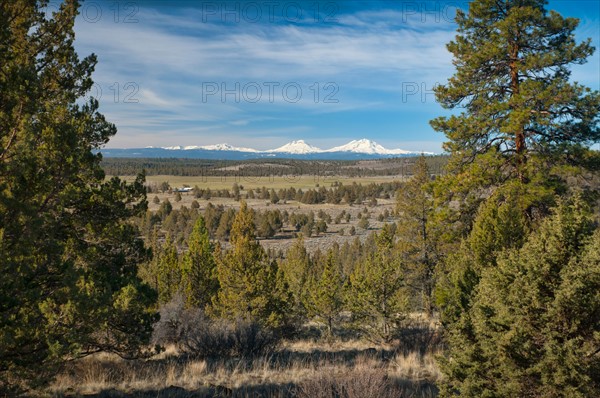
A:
x: 297, y: 369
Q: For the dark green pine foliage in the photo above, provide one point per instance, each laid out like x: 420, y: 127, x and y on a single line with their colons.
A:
x: 68, y: 253
x: 374, y: 294
x: 419, y: 233
x: 532, y: 329
x: 251, y: 286
x: 167, y: 271
x: 500, y: 224
x: 521, y: 118
x: 326, y: 301
x: 199, y: 283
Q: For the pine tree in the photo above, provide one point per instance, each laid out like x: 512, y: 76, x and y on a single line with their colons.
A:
x: 327, y: 301
x: 374, y: 294
x: 68, y: 251
x: 522, y: 118
x: 168, y: 271
x: 419, y: 232
x: 298, y: 270
x: 199, y: 282
x: 251, y: 286
x: 532, y: 329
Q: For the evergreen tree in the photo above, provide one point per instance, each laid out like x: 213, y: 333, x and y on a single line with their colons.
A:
x: 533, y: 329
x: 419, y: 232
x: 374, y: 294
x: 298, y: 268
x: 199, y: 282
x: 500, y: 224
x: 522, y: 118
x: 327, y: 301
x: 168, y: 271
x: 68, y: 253
x: 251, y: 286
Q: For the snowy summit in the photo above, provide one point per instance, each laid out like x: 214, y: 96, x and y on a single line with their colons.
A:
x: 298, y: 147
x: 301, y: 147
x: 368, y: 147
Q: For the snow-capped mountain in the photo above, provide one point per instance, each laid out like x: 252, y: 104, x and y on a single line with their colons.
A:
x: 299, y: 147
x: 216, y: 147
x: 368, y: 147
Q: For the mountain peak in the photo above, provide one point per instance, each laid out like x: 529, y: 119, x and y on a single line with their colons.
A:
x: 297, y: 147
x: 301, y: 147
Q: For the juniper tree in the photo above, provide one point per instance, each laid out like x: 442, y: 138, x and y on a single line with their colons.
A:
x: 419, y: 232
x: 251, y: 285
x: 167, y: 271
x: 374, y: 294
x: 199, y: 282
x: 327, y: 300
x: 532, y: 328
x: 68, y: 252
x: 298, y: 269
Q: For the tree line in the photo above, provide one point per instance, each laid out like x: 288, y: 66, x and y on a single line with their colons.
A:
x: 288, y: 168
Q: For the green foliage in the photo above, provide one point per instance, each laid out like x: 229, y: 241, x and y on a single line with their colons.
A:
x: 298, y: 269
x: 532, y: 328
x: 419, y: 232
x: 501, y: 223
x: 327, y: 298
x: 252, y: 286
x: 69, y: 254
x: 512, y: 79
x: 167, y: 271
x: 521, y: 119
x: 199, y: 282
x: 523, y: 133
x: 374, y: 294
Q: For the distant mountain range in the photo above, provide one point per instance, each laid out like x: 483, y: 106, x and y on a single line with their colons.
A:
x: 356, y: 149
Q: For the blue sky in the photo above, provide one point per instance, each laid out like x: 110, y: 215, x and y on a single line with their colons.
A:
x: 262, y: 73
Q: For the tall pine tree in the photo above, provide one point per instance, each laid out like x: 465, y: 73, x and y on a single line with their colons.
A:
x: 521, y: 117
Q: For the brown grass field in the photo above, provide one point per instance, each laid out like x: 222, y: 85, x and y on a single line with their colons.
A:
x: 297, y: 369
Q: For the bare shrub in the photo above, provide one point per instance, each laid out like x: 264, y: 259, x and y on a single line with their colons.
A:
x: 419, y: 337
x: 357, y: 383
x: 199, y: 336
x: 175, y: 319
x: 219, y: 339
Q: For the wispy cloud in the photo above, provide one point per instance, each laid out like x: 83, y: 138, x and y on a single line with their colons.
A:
x: 375, y: 58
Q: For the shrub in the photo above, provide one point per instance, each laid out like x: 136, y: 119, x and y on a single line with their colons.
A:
x: 202, y: 337
x: 361, y: 382
x: 419, y: 337
x: 220, y: 338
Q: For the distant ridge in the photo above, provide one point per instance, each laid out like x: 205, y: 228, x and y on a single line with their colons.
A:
x: 299, y: 149
x: 302, y: 147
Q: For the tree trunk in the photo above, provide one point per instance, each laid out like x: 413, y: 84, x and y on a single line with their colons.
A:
x: 520, y: 147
